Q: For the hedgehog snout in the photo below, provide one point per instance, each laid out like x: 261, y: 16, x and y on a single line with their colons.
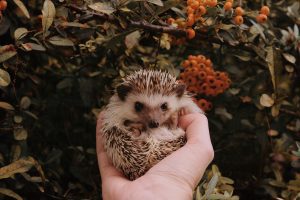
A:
x: 153, y: 124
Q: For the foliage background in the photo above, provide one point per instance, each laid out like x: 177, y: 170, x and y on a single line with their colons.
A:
x: 58, y: 69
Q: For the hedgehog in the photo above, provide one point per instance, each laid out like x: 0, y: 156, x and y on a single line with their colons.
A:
x: 140, y: 122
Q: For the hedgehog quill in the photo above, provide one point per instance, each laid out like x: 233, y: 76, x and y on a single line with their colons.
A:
x: 140, y: 123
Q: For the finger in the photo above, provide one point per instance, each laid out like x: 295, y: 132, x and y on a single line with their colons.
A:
x: 188, y: 164
x: 107, y: 170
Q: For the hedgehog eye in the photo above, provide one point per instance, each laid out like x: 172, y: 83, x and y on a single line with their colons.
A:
x: 164, y: 106
x: 138, y: 106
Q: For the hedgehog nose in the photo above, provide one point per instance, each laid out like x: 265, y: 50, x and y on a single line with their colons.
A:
x: 153, y: 124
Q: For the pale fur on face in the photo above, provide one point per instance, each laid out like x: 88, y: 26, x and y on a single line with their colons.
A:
x: 118, y: 111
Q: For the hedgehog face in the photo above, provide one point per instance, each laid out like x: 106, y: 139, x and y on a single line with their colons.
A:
x: 153, y: 110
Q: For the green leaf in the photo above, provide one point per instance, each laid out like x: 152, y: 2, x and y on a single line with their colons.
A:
x: 59, y: 41
x: 10, y: 193
x: 22, y: 8
x: 103, y: 7
x: 48, y: 12
x: 4, y: 78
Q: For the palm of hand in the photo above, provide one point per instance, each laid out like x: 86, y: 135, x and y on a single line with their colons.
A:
x: 175, y: 177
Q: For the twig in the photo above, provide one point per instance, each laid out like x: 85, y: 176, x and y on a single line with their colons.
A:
x: 297, y: 114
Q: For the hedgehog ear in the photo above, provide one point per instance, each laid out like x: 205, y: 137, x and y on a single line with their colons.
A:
x: 180, y: 89
x: 122, y: 91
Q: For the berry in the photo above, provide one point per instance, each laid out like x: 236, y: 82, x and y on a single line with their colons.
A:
x: 190, y: 33
x: 261, y: 18
x: 190, y: 10
x: 227, y: 6
x: 195, y: 5
x: 265, y: 10
x: 239, y: 11
x: 238, y: 20
x: 190, y: 20
x: 202, y: 10
x: 3, y: 5
x: 211, y: 3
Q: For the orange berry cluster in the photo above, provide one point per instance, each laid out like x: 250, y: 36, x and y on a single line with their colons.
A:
x: 201, y: 78
x: 195, y: 10
x: 3, y: 5
x: 263, y: 16
x: 203, y: 104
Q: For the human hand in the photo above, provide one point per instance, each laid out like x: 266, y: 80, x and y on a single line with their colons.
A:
x: 174, y: 177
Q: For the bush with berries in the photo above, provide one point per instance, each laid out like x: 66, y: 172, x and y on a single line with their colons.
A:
x: 61, y: 60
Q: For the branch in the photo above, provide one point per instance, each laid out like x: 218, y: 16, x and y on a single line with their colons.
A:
x: 87, y: 15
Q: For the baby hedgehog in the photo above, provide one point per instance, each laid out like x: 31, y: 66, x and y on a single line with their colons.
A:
x: 140, y: 125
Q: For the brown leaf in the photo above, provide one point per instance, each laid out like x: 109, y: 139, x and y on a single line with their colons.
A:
x: 10, y: 193
x: 6, y: 106
x: 59, y: 41
x: 20, y: 134
x: 22, y: 7
x: 6, y: 52
x: 103, y: 7
x: 19, y: 166
x: 132, y: 39
x: 4, y: 78
x: 290, y: 58
x: 48, y: 12
x: 266, y: 100
x: 25, y: 102
x: 20, y: 33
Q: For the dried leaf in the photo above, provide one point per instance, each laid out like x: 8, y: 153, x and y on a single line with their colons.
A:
x: 211, y: 185
x: 6, y: 52
x: 270, y: 61
x: 48, y: 12
x: 103, y: 7
x: 266, y: 100
x: 33, y: 46
x: 59, y: 41
x: 156, y: 2
x: 4, y: 78
x: 132, y: 39
x: 20, y: 33
x: 15, y: 152
x: 20, y: 134
x: 272, y: 132
x: 25, y: 102
x: 18, y: 119
x: 19, y: 166
x: 10, y: 193
x: 290, y: 58
x: 6, y: 106
x: 23, y: 8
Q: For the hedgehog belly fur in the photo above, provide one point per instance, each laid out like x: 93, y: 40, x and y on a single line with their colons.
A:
x: 135, y: 156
